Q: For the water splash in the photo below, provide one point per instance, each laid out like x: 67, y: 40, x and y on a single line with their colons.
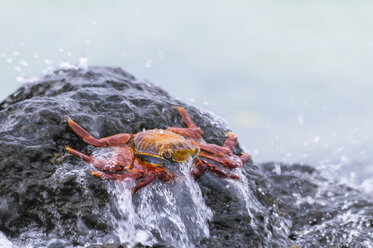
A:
x: 253, y: 206
x: 4, y: 242
x: 173, y: 213
x: 83, y: 63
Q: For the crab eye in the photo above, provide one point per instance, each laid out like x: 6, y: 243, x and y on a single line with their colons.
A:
x: 196, y: 150
x: 167, y: 154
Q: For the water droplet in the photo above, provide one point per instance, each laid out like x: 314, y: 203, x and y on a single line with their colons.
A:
x: 278, y: 169
x: 83, y: 63
x: 148, y: 63
x: 23, y: 63
x: 20, y: 79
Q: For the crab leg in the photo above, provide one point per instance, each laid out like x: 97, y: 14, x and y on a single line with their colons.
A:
x: 244, y: 157
x: 222, y: 154
x: 115, y: 140
x: 231, y: 141
x: 200, y: 168
x: 147, y: 179
x: 191, y: 131
x: 98, y: 163
x: 123, y: 157
x: 216, y: 170
x: 116, y: 177
x: 186, y: 131
x: 232, y: 161
x: 227, y: 160
x: 160, y: 172
x: 186, y: 117
x: 211, y: 148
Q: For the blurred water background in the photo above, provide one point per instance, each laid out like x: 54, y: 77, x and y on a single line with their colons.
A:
x: 292, y: 78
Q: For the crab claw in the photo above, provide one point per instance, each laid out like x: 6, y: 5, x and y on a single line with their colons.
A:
x: 80, y: 155
x: 97, y: 163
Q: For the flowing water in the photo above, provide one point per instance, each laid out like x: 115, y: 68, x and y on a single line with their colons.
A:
x: 174, y: 212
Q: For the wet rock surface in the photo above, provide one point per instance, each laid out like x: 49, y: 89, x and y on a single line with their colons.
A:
x: 48, y: 198
x: 323, y: 213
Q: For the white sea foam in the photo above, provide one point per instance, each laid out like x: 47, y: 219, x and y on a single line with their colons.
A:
x: 4, y: 242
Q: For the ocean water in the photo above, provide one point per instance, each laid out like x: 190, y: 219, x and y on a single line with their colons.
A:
x: 293, y: 79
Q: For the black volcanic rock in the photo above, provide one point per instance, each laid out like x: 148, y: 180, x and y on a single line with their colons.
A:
x: 48, y: 198
x: 324, y: 213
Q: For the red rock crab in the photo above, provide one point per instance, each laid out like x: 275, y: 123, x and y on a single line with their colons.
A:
x: 175, y: 144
